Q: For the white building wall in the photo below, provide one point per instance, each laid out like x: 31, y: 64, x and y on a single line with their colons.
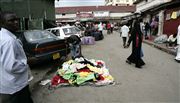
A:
x: 120, y: 2
x: 119, y: 14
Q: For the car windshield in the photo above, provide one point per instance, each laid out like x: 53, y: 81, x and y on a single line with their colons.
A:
x: 77, y: 29
x: 33, y: 36
x: 69, y: 31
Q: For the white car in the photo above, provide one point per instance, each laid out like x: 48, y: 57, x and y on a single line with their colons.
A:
x: 65, y: 31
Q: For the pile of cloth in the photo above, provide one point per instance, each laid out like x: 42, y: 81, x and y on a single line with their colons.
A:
x: 82, y: 71
x: 161, y: 39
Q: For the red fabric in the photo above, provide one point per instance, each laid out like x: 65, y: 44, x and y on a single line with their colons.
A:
x: 101, y: 77
x: 57, y: 80
x: 137, y: 40
x: 84, y: 70
x: 63, y: 80
x: 108, y: 26
x: 100, y: 64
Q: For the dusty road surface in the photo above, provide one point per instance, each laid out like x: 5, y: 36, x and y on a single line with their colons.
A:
x: 157, y: 82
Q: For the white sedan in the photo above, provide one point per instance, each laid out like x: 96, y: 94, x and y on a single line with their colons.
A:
x: 65, y: 31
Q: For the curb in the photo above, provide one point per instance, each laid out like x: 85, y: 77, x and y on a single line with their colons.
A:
x: 160, y: 47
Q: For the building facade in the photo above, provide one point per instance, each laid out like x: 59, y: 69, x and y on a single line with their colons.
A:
x: 171, y: 19
x: 92, y: 13
x: 166, y: 13
x: 119, y: 2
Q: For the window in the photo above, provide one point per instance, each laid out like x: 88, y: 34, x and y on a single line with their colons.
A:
x: 69, y: 31
x: 33, y: 36
x: 56, y: 32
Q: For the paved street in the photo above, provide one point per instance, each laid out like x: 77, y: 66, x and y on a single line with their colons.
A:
x: 157, y: 82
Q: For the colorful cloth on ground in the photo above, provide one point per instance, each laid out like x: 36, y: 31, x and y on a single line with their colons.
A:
x: 81, y: 70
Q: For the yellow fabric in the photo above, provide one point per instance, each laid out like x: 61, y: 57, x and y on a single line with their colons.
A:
x: 61, y: 72
x: 109, y: 77
x: 94, y: 69
x: 83, y: 74
x: 70, y: 61
x: 174, y: 15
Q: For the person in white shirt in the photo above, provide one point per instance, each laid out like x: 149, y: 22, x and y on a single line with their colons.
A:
x: 124, y: 34
x: 172, y: 40
x: 112, y: 27
x: 177, y: 58
x: 100, y: 28
x: 14, y: 86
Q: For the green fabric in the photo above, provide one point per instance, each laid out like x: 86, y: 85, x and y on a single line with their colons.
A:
x: 81, y: 80
x: 67, y: 76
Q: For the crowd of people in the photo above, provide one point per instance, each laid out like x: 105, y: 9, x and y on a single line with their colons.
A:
x: 138, y: 30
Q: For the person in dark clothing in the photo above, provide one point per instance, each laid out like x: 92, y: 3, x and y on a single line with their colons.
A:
x: 147, y: 29
x: 75, y: 46
x: 136, y: 39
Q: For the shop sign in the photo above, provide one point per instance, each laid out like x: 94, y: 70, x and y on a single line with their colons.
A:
x: 84, y: 15
x: 101, y: 13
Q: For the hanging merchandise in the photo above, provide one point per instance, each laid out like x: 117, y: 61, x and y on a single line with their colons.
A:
x: 174, y: 15
x: 81, y: 71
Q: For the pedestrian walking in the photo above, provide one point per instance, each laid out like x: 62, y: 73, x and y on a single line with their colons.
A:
x: 154, y: 26
x: 177, y: 58
x: 108, y: 28
x: 112, y: 27
x: 14, y: 86
x: 147, y: 30
x: 136, y: 39
x: 124, y: 34
x: 100, y: 28
x: 75, y: 46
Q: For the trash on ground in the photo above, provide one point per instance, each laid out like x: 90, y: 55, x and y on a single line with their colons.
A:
x: 45, y: 82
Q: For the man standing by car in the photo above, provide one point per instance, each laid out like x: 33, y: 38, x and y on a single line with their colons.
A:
x: 75, y: 46
x: 14, y: 86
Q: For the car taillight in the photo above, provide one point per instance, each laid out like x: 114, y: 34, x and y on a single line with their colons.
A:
x: 39, y: 50
x: 43, y: 49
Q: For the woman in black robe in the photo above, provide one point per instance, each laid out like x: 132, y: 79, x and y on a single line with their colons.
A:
x: 136, y: 39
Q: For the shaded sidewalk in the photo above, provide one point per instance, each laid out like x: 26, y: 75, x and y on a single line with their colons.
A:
x: 162, y: 46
